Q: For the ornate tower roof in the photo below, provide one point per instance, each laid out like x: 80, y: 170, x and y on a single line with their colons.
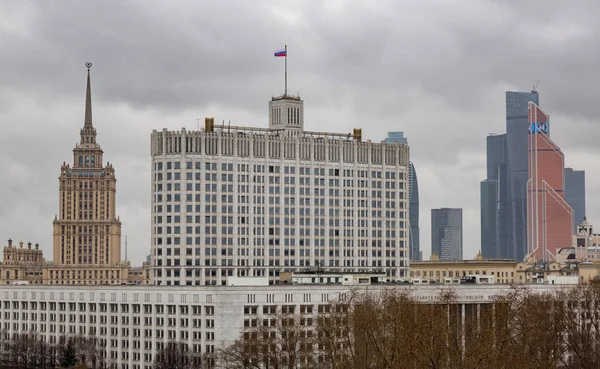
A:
x: 88, y: 99
x: 88, y: 154
x: 88, y: 132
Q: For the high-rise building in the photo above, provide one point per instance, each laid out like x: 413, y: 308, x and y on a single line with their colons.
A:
x: 516, y: 143
x: 87, y: 232
x: 413, y: 199
x: 413, y: 214
x: 575, y: 194
x: 494, y: 201
x: 549, y: 216
x: 249, y: 201
x: 446, y: 233
x: 396, y: 137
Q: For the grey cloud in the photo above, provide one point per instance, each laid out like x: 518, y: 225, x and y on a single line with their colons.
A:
x: 436, y: 70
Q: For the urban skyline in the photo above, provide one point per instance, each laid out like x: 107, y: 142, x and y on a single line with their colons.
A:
x: 502, y: 191
x: 447, y: 104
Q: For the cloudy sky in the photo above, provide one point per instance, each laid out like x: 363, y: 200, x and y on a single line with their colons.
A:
x: 437, y: 70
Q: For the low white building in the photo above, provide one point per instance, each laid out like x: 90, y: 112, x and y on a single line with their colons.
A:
x: 346, y: 279
x: 563, y: 279
x: 133, y: 322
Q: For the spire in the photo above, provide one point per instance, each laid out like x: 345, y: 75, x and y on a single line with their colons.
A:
x: 88, y: 99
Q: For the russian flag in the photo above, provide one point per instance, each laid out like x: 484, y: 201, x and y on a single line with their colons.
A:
x: 281, y: 52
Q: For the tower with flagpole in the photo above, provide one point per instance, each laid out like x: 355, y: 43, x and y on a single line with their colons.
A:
x: 286, y: 112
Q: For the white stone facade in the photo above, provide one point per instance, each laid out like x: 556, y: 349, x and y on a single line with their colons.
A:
x: 243, y: 201
x: 133, y: 322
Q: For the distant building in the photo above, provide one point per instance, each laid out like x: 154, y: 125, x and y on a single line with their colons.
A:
x: 326, y: 277
x: 414, y: 236
x: 585, y: 246
x: 549, y: 216
x: 22, y: 264
x: 516, y: 144
x: 575, y: 194
x: 447, y: 233
x: 437, y: 270
x: 494, y: 201
x: 504, y: 191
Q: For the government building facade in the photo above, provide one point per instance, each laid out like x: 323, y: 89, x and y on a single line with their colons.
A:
x: 251, y: 201
x: 132, y: 323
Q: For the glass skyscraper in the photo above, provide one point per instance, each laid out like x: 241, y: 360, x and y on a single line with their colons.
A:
x: 516, y: 144
x: 446, y: 233
x: 413, y: 198
x: 575, y: 194
x: 549, y: 216
x: 504, y: 192
x: 494, y: 200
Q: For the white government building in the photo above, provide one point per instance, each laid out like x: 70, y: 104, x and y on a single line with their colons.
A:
x: 248, y: 201
x: 133, y: 322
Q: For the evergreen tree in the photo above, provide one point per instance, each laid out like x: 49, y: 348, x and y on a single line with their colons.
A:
x: 68, y: 356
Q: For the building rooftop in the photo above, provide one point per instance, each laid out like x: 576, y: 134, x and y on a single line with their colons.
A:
x: 484, y: 261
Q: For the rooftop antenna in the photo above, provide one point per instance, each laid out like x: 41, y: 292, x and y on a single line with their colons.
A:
x: 125, y: 248
x: 534, y: 89
x: 229, y: 126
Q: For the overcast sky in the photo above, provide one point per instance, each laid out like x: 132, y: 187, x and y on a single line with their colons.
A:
x: 437, y: 70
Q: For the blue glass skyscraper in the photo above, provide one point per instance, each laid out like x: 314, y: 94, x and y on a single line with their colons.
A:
x: 575, y: 194
x: 516, y: 145
x: 446, y: 233
x: 504, y: 192
x: 494, y: 200
x: 413, y: 199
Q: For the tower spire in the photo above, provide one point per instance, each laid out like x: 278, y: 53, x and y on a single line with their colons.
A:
x: 88, y: 99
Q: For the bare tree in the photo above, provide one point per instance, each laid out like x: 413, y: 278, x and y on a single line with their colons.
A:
x: 390, y: 329
x: 282, y: 341
x: 176, y: 355
x: 88, y: 351
x: 580, y: 319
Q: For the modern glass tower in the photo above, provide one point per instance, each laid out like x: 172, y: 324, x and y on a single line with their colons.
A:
x: 516, y: 142
x: 413, y: 213
x: 494, y: 200
x: 549, y: 216
x: 413, y: 196
x: 446, y: 233
x: 575, y: 194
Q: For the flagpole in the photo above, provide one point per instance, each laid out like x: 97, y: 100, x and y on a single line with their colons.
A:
x: 285, y: 93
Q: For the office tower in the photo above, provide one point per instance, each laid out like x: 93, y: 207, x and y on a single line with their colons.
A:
x: 494, y: 201
x: 516, y: 142
x: 413, y: 199
x: 549, y: 216
x: 446, y: 233
x: 396, y: 137
x: 251, y: 201
x: 575, y: 194
x: 413, y: 213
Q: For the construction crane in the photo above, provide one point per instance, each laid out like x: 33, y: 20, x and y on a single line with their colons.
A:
x: 534, y: 89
